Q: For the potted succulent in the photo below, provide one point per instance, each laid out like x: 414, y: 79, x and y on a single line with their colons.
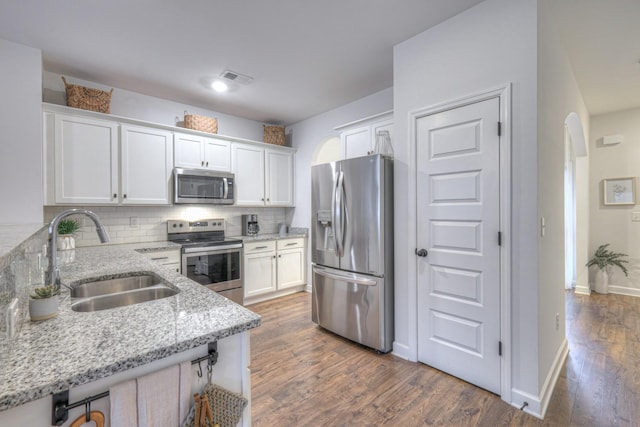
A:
x: 43, y: 303
x: 604, y: 259
x: 66, y: 229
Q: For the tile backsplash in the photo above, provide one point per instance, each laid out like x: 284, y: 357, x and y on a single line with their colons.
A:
x: 133, y: 224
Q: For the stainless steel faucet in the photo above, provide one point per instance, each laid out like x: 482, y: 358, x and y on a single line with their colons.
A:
x: 53, y: 272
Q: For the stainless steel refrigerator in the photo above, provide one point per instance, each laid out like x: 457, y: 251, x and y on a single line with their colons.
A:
x: 352, y: 249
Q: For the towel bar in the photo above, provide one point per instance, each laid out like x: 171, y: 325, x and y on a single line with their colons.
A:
x: 60, y: 405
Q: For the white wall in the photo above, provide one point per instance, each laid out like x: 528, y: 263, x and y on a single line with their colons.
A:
x: 558, y: 96
x: 308, y: 134
x: 613, y: 224
x: 21, y: 124
x: 485, y: 47
x: 157, y: 110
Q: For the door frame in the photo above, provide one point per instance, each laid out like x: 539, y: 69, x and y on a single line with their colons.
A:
x: 503, y: 93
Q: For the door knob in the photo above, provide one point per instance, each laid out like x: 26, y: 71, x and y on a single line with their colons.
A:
x: 421, y: 253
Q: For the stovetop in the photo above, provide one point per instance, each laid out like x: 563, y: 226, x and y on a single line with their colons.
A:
x: 200, y: 233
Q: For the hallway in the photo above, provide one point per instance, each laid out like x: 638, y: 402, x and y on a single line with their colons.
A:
x: 304, y: 376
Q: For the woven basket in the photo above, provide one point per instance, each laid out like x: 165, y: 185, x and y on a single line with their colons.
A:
x: 226, y: 406
x: 201, y: 123
x: 274, y: 135
x: 87, y: 98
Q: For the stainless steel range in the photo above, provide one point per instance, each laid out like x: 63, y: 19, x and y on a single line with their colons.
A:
x: 208, y: 257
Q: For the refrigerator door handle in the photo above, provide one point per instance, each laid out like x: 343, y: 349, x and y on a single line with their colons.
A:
x: 351, y: 278
x: 338, y: 220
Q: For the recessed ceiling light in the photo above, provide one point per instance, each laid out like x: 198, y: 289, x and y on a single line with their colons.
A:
x: 219, y: 86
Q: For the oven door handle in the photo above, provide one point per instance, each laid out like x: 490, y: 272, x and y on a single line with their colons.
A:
x: 209, y: 249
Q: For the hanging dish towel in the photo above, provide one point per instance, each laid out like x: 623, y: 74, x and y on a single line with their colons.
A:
x: 123, y: 401
x: 158, y: 398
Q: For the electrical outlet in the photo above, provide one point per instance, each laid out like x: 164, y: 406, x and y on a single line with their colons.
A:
x: 133, y: 222
x: 557, y: 321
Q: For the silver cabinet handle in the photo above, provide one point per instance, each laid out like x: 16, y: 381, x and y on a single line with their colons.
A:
x: 207, y: 164
x: 261, y: 247
x: 202, y: 163
x: 159, y: 258
x: 291, y: 244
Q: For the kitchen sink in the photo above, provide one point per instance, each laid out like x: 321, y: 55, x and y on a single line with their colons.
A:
x: 122, y: 299
x: 92, y: 288
x: 139, y: 287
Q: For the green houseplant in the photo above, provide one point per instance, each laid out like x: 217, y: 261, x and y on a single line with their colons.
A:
x: 43, y: 303
x: 603, y: 259
x: 66, y: 229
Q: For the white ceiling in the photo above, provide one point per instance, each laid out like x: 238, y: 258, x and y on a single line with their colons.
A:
x: 307, y: 57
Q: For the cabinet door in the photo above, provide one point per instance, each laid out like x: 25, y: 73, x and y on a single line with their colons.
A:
x: 291, y: 270
x: 189, y: 151
x: 217, y: 154
x: 356, y: 142
x: 259, y: 273
x: 86, y: 161
x: 146, y: 165
x: 248, y: 166
x: 279, y: 178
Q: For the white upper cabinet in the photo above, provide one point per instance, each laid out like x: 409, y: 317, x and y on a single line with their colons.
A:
x: 201, y: 152
x: 146, y: 165
x: 86, y: 160
x: 279, y: 178
x: 359, y: 138
x: 264, y: 176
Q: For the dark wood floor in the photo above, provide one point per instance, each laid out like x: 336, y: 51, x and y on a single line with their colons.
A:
x: 304, y: 376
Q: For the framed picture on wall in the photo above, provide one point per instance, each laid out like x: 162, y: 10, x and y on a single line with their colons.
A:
x: 619, y: 191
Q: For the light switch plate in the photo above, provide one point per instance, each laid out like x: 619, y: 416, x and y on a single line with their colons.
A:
x: 635, y: 216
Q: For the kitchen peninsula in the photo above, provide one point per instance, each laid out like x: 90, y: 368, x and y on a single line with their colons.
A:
x: 88, y: 352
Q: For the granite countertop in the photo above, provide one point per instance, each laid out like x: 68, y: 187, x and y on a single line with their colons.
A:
x: 77, y: 348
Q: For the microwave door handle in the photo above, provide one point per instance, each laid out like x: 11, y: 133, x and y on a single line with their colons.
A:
x: 226, y: 188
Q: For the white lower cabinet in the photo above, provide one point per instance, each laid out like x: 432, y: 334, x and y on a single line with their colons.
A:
x: 273, y: 268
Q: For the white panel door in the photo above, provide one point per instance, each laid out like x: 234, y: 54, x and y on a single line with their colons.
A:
x: 248, y: 167
x: 188, y: 151
x: 458, y: 223
x: 279, y: 173
x: 146, y: 162
x: 217, y: 154
x: 86, y: 161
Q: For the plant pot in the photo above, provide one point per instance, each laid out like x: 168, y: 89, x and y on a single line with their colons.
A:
x: 66, y: 242
x: 602, y: 282
x: 43, y: 309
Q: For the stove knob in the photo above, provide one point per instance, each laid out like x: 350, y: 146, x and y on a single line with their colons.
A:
x: 181, y: 225
x: 175, y: 225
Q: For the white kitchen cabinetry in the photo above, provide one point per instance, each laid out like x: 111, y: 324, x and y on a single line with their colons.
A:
x: 169, y: 258
x: 146, y: 163
x: 291, y: 265
x: 359, y: 138
x: 264, y: 176
x: 200, y: 152
x: 86, y: 159
x: 273, y: 268
x: 259, y: 268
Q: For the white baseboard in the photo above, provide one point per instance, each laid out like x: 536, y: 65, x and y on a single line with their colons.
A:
x: 582, y: 289
x: 634, y: 292
x: 552, y: 377
x: 537, y: 405
x: 400, y: 350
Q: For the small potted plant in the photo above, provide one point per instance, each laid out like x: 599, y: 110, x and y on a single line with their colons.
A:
x: 43, y: 303
x: 604, y: 259
x: 66, y: 229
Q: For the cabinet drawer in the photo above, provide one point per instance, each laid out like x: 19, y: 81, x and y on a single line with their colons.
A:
x: 260, y: 246
x: 291, y: 243
x: 164, y: 257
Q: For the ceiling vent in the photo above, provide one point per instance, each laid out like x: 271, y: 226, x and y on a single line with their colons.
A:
x: 236, y: 77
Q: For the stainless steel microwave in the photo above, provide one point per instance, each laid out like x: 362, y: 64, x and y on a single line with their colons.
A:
x: 206, y: 187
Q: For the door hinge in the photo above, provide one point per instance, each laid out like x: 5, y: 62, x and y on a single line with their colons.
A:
x: 499, y: 238
x: 499, y: 128
x: 499, y: 348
